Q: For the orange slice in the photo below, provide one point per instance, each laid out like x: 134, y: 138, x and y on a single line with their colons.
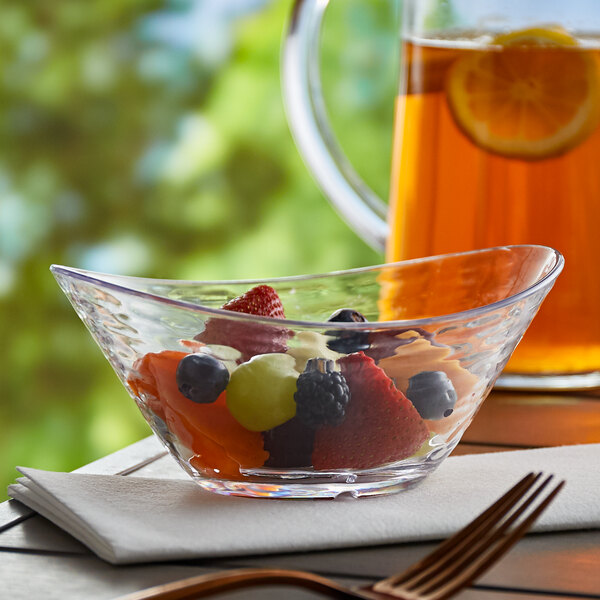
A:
x: 220, y: 444
x: 532, y: 94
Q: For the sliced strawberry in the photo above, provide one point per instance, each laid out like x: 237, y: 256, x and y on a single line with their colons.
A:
x: 381, y: 425
x: 249, y: 338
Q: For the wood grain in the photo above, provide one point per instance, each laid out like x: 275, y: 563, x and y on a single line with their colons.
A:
x: 566, y: 563
x: 33, y: 576
x: 528, y: 420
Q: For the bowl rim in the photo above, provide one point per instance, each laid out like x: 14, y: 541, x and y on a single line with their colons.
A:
x: 96, y: 278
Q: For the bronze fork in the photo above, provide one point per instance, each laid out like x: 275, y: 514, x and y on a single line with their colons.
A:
x: 452, y: 566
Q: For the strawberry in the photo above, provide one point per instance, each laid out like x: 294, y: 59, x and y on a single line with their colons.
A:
x: 249, y: 338
x: 381, y: 425
x: 260, y: 300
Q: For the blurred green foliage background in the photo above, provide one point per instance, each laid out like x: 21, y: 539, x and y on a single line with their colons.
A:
x: 148, y: 138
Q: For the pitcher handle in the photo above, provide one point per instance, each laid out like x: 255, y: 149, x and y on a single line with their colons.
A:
x: 358, y: 205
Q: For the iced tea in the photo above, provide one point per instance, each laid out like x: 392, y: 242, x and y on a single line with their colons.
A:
x: 500, y: 144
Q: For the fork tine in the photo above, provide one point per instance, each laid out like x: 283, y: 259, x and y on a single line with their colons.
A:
x: 467, y: 551
x: 458, y: 562
x: 488, y: 558
x: 459, y: 539
x: 440, y: 579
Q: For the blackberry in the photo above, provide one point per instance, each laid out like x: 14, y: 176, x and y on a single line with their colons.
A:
x: 201, y: 378
x: 322, y: 394
x: 344, y: 341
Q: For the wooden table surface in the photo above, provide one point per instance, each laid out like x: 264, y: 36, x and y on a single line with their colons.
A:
x: 38, y: 560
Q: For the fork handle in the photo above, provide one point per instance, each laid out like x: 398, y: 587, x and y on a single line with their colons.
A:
x: 202, y: 586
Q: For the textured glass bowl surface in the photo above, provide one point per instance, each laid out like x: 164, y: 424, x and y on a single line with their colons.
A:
x: 439, y: 331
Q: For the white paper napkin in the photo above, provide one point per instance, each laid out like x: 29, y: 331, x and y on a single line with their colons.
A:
x: 135, y: 519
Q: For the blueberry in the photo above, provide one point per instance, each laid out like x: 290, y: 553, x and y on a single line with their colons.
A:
x: 347, y: 342
x: 347, y: 315
x: 201, y: 378
x: 432, y: 394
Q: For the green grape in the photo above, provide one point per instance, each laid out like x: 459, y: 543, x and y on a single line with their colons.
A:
x: 260, y: 394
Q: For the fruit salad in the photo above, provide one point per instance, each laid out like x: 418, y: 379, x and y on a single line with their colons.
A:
x: 242, y: 396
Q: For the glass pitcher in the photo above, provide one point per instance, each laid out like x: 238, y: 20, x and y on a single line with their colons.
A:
x: 496, y: 141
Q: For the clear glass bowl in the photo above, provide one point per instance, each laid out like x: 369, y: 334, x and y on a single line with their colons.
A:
x: 395, y: 393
